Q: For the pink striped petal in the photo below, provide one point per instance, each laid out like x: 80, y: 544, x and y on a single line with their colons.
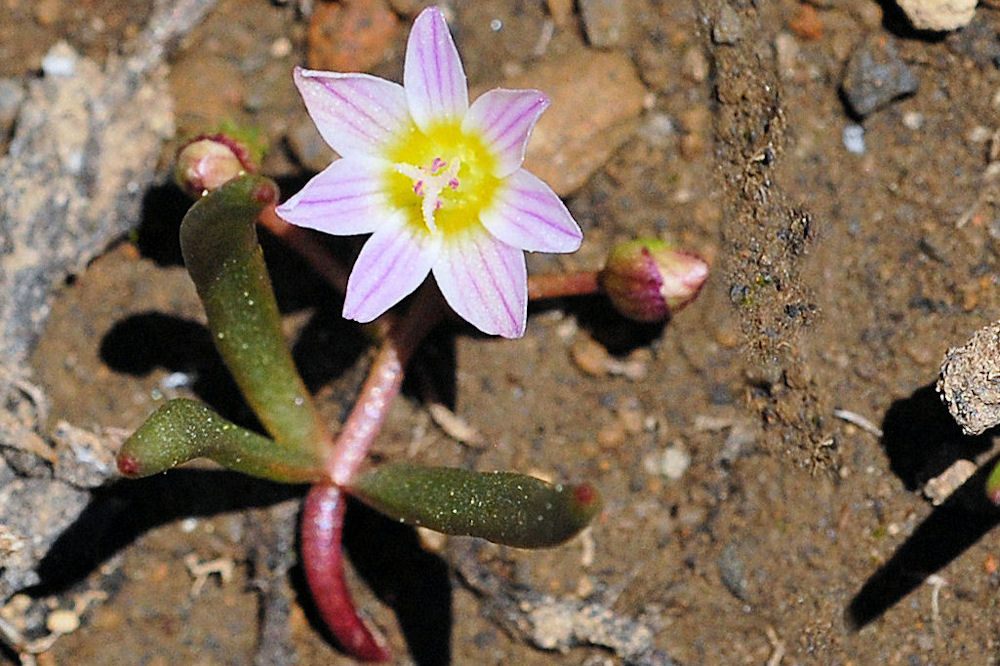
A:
x: 505, y: 119
x: 393, y: 263
x: 433, y: 77
x: 346, y: 198
x: 356, y: 114
x: 527, y: 214
x: 485, y: 281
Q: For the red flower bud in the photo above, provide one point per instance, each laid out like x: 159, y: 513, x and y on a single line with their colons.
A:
x: 208, y: 161
x: 647, y: 280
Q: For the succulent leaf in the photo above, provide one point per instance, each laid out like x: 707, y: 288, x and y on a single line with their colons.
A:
x: 221, y: 252
x: 503, y: 507
x: 185, y: 429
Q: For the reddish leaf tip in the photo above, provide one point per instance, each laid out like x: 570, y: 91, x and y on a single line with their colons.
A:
x: 128, y: 465
x: 585, y: 495
x: 265, y: 192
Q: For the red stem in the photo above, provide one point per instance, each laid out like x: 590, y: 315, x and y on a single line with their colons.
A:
x: 322, y: 559
x: 385, y: 378
x: 555, y: 285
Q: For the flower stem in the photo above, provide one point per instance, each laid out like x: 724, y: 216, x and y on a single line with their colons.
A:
x: 322, y: 560
x: 385, y: 378
x: 555, y: 285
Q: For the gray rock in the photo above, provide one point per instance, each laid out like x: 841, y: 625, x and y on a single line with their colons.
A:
x: 728, y: 27
x: 605, y: 21
x: 733, y: 572
x: 83, y: 154
x: 876, y: 75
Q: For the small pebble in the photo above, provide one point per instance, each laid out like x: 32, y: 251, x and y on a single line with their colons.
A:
x: 938, y: 14
x: 606, y: 22
x: 591, y: 357
x: 176, y: 380
x: 728, y: 28
x: 853, y: 137
x: 913, y: 120
x: 658, y: 130
x: 978, y: 134
x: 786, y: 53
x: 733, y: 572
x: 350, y: 37
x: 281, y: 47
x: 60, y: 61
x: 695, y: 65
x: 876, y: 76
x: 940, y: 488
x: 671, y: 462
x: 806, y: 23
x: 62, y: 622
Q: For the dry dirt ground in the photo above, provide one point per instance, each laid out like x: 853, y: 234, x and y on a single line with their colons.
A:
x: 839, y: 280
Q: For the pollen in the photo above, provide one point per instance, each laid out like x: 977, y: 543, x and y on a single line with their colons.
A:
x: 442, y: 179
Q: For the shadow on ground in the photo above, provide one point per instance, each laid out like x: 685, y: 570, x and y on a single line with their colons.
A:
x: 922, y: 440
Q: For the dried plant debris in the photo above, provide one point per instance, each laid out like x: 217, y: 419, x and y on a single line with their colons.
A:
x: 970, y: 381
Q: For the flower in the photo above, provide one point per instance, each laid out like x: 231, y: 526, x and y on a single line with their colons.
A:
x: 438, y: 184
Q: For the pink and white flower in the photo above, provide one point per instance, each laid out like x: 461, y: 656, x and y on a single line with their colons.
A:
x: 438, y: 184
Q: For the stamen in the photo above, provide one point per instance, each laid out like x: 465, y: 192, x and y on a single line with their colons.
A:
x: 429, y: 183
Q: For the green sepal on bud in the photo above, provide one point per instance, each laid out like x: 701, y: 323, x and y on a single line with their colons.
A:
x: 503, y: 507
x: 647, y: 279
x: 208, y: 161
x: 182, y: 430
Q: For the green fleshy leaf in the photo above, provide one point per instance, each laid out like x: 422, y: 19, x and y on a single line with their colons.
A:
x: 503, y: 507
x: 185, y: 429
x: 221, y: 252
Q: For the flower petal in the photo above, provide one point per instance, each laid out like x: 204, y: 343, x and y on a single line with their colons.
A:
x: 505, y: 119
x: 357, y: 114
x: 526, y: 213
x: 432, y: 73
x: 485, y: 281
x: 348, y: 197
x: 393, y: 263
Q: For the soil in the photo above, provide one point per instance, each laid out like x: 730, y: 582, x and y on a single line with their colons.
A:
x: 799, y: 533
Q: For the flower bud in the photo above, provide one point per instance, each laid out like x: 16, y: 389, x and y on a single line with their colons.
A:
x: 208, y: 161
x: 647, y: 279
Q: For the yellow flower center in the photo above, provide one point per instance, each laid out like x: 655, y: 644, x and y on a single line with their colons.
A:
x: 442, y: 179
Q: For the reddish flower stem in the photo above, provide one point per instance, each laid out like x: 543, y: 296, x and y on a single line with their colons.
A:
x: 322, y: 560
x: 385, y: 378
x: 555, y: 285
x: 323, y: 514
